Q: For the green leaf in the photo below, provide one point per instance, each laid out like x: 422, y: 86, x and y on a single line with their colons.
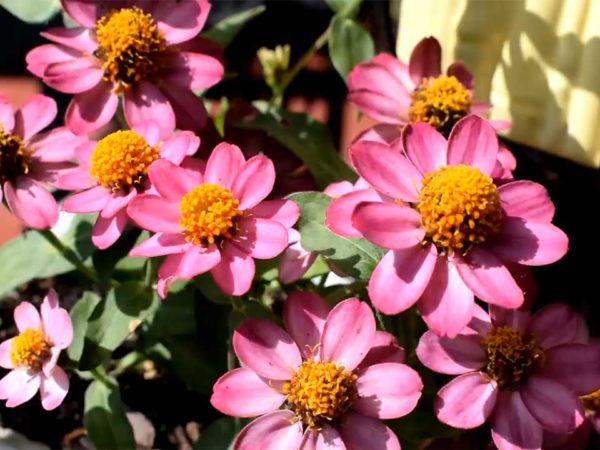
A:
x: 355, y: 257
x: 349, y: 44
x: 344, y: 7
x: 80, y: 314
x: 227, y: 29
x: 104, y: 417
x: 308, y: 139
x: 220, y: 434
x: 32, y: 11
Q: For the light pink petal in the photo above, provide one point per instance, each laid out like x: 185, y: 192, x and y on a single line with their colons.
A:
x: 329, y: 438
x: 390, y: 172
x: 223, y: 165
x: 73, y: 76
x: 425, y: 146
x: 459, y: 70
x: 261, y: 238
x: 577, y: 366
x: 26, y: 316
x: 388, y: 225
x: 160, y: 244
x: 146, y: 102
x: 117, y: 202
x: 254, y: 181
x: 150, y: 131
x: 171, y: 181
x: 506, y: 158
x: 50, y: 363
x: 54, y: 388
x: 273, y: 431
x: 39, y: 58
x: 5, y: 360
x: 304, y: 315
x: 384, y: 349
x: 77, y: 38
x: 447, y: 303
x: 530, y: 242
x: 83, y: 12
x: 197, y: 260
x: 7, y: 114
x: 337, y: 189
x: 338, y: 216
x: 31, y: 203
x: 35, y: 115
x: 50, y: 302
x: 383, y: 133
x: 180, y: 145
x: 400, y: 278
x: 452, y: 356
x: 380, y: 398
x: 84, y: 153
x: 182, y: 21
x: 513, y: 426
x: 58, y: 327
x: 155, y: 214
x: 527, y: 200
x: 294, y: 262
x: 190, y: 113
x: 91, y: 110
x: 360, y: 432
x: 105, y: 232
x: 558, y: 324
x: 348, y: 333
x: 18, y: 386
x: 195, y: 70
x: 466, y: 401
x: 266, y: 349
x: 91, y: 200
x: 425, y: 60
x: 286, y: 212
x: 235, y: 272
x: 242, y: 393
x: 56, y: 145
x: 473, y: 142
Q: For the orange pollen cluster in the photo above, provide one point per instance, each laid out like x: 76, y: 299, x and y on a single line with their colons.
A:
x: 121, y: 159
x: 591, y: 401
x: 459, y: 208
x: 320, y: 393
x: 440, y: 101
x: 208, y: 214
x: 30, y: 349
x: 511, y: 357
x: 130, y: 46
x: 14, y: 157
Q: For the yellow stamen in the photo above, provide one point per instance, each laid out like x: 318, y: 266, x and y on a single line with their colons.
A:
x: 14, y: 157
x: 208, y: 214
x: 30, y: 349
x: 591, y: 401
x: 440, y: 102
x: 121, y: 159
x: 459, y: 208
x: 129, y: 45
x: 320, y: 392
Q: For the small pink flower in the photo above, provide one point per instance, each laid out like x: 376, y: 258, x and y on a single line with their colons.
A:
x: 213, y: 219
x: 336, y: 375
x: 29, y: 159
x: 32, y: 354
x: 113, y: 171
x: 451, y: 231
x: 144, y: 49
x: 521, y: 372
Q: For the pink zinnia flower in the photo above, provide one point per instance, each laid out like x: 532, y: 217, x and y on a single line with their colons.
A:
x: 214, y: 219
x: 451, y: 231
x: 522, y: 372
x: 32, y: 354
x: 336, y: 375
x: 114, y: 170
x: 29, y: 159
x: 143, y: 49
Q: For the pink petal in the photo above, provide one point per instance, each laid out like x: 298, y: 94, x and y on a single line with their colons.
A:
x: 254, y: 181
x: 388, y: 225
x: 337, y: 189
x: 390, y: 172
x: 171, y: 181
x: 286, y: 212
x: 223, y: 165
x: 295, y: 262
x: 5, y: 360
x: 181, y: 21
x: 304, y: 315
x: 146, y: 102
x: 50, y: 363
x: 348, y: 333
x: 425, y: 147
x: 513, y: 318
x: 459, y: 70
x: 160, y: 244
x: 577, y: 366
x: 35, y: 115
x: 361, y: 432
x: 473, y: 142
x: 379, y: 398
x: 91, y: 200
x: 266, y: 349
x: 76, y: 38
x: 235, y: 272
x: 558, y: 324
x: 83, y: 12
x: 53, y: 389
x: 18, y: 386
x: 261, y: 238
x: 180, y: 145
x: 7, y: 114
x: 58, y: 327
x: 383, y: 133
x: 73, y: 76
x: 91, y: 110
x: 384, y: 349
x: 447, y: 303
x: 84, y: 153
x: 425, y: 60
x: 400, y: 278
x: 274, y: 431
x: 328, y: 438
x: 190, y: 113
x: 49, y: 304
x: 155, y: 214
x: 338, y: 216
x: 195, y: 70
x: 39, y: 58
x: 105, y: 232
x: 26, y: 316
x: 56, y: 145
x: 31, y: 203
x: 242, y: 393
x: 197, y: 260
x: 166, y: 273
x: 513, y: 427
x: 117, y: 202
x: 527, y: 200
x: 461, y: 354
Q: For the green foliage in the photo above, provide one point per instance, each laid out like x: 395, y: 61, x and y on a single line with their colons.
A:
x: 80, y: 314
x: 220, y: 434
x: 349, y: 44
x: 227, y: 29
x: 32, y: 11
x: 344, y: 7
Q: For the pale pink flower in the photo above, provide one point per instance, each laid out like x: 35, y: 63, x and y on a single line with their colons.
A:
x: 336, y: 375
x: 521, y: 372
x: 33, y: 353
x: 213, y: 219
x: 452, y: 232
x: 144, y: 49
x: 30, y: 159
x: 114, y: 171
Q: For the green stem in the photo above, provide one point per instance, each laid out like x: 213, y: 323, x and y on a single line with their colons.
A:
x: 68, y: 254
x: 151, y: 271
x: 99, y: 374
x: 380, y: 320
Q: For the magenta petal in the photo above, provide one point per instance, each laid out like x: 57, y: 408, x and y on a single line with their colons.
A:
x: 558, y: 324
x: 171, y: 181
x: 73, y: 76
x: 190, y: 113
x: 384, y: 349
x: 5, y: 360
x: 18, y: 386
x: 91, y: 110
x: 577, y: 366
x: 39, y: 58
x: 197, y: 260
x: 53, y: 389
x: 514, y: 318
x: 180, y: 145
x: 348, y: 333
x: 328, y: 438
x: 223, y: 165
x: 273, y: 431
x: 155, y: 214
x: 254, y: 181
x: 235, y: 272
x: 195, y: 70
x: 7, y: 114
x: 473, y: 142
x: 160, y: 244
x: 242, y: 393
x: 31, y: 203
x: 466, y: 401
x: 425, y: 60
x: 286, y: 212
x: 57, y: 145
x: 106, y: 231
x: 26, y: 316
x: 360, y: 432
x: 304, y: 314
x: 425, y: 147
x: 166, y: 273
x: 36, y: 114
x: 400, y: 278
x: 145, y: 102
x: 117, y: 202
x: 266, y: 349
x: 462, y: 74
x: 452, y: 356
x: 181, y: 21
x: 527, y: 200
x: 295, y: 262
x: 82, y: 12
x: 513, y: 426
x: 338, y: 216
x: 76, y: 38
x: 261, y: 238
x: 91, y: 200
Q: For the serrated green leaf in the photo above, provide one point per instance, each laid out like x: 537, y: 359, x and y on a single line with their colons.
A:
x: 349, y: 44
x: 32, y: 11
x: 227, y: 29
x: 80, y: 314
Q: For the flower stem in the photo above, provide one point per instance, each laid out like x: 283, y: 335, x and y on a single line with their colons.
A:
x: 68, y: 254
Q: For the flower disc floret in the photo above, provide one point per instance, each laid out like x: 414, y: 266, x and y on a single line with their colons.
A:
x: 30, y: 349
x: 120, y: 160
x: 208, y: 214
x: 320, y: 392
x: 14, y: 157
x: 459, y: 208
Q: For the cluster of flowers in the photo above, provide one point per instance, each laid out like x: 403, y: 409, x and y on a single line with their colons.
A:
x: 436, y: 190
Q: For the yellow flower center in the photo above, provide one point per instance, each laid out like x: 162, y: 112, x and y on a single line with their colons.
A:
x: 14, y: 157
x: 459, y: 208
x: 320, y: 392
x: 30, y: 349
x: 121, y: 159
x: 129, y: 46
x: 440, y: 101
x: 591, y: 402
x: 208, y: 214
x: 511, y: 357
